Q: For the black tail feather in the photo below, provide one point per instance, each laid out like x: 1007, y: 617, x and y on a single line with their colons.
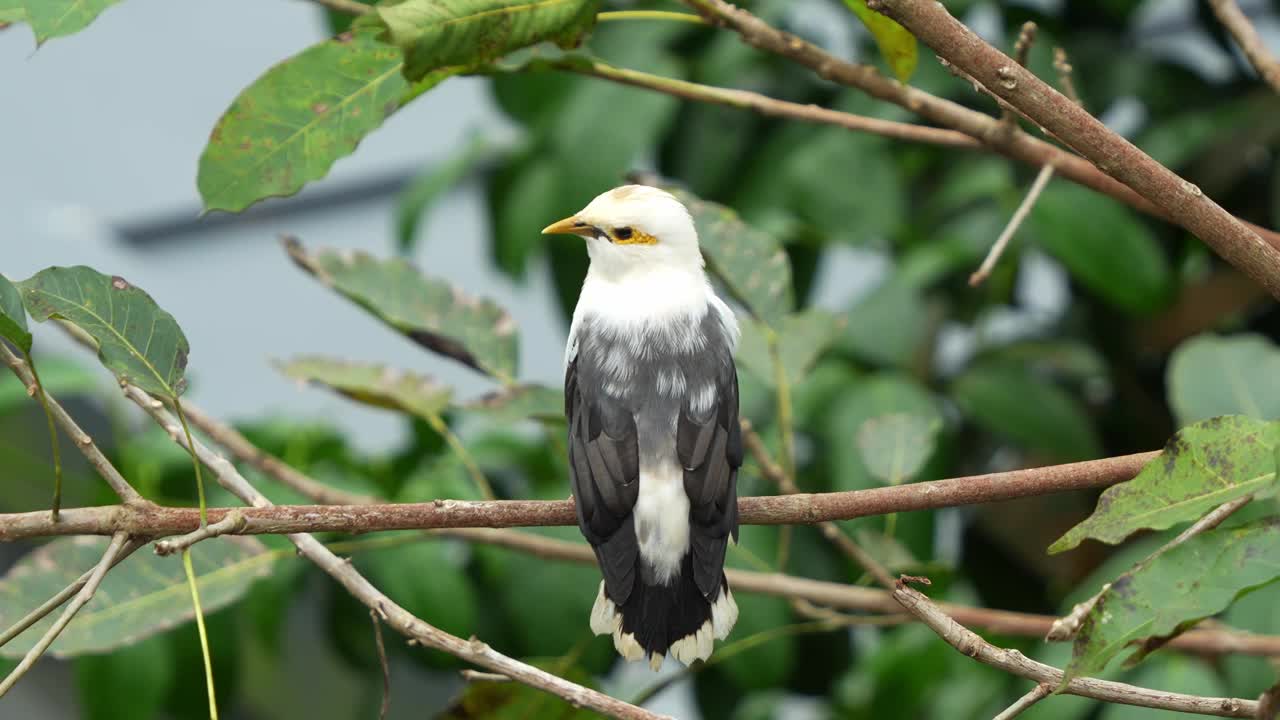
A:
x: 659, y: 615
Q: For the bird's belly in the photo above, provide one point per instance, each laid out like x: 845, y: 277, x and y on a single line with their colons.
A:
x: 661, y: 517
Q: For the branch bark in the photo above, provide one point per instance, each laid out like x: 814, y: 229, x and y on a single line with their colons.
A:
x: 1247, y: 37
x: 990, y: 131
x: 1014, y: 662
x: 800, y: 508
x: 1179, y: 200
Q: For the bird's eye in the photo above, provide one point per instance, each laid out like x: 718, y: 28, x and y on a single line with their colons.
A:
x: 622, y: 233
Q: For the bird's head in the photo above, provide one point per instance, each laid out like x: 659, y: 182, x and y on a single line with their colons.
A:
x: 634, y: 227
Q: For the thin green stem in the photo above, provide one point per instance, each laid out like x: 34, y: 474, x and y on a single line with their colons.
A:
x: 438, y: 424
x: 53, y: 437
x: 650, y: 15
x: 195, y: 461
x: 204, y: 635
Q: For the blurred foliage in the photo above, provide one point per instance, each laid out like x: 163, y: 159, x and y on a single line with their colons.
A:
x: 1083, y: 343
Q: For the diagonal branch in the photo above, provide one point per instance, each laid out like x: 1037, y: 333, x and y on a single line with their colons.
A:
x: 118, y: 542
x: 990, y: 131
x: 1179, y: 200
x: 1247, y: 37
x: 403, y: 621
x: 799, y: 508
x: 1014, y: 662
x: 78, y: 436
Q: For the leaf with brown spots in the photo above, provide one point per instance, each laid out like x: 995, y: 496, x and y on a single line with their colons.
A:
x: 292, y: 123
x: 431, y: 312
x: 445, y: 33
x: 376, y: 385
x: 1151, y: 604
x: 520, y: 402
x: 1202, y: 466
x: 139, y: 342
x: 145, y: 594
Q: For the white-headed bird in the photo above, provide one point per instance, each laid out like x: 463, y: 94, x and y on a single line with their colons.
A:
x: 651, y: 395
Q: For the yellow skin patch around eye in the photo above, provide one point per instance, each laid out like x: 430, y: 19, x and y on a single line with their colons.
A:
x: 637, y: 238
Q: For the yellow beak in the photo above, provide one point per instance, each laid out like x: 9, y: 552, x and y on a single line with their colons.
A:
x: 569, y: 226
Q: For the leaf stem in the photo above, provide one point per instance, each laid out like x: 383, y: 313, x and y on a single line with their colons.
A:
x: 650, y: 15
x: 204, y: 635
x: 195, y: 461
x: 438, y: 424
x: 53, y: 437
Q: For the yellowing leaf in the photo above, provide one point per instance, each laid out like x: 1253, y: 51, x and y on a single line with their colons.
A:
x: 897, y: 45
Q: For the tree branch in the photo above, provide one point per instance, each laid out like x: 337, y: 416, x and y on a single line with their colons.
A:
x: 800, y: 508
x: 1024, y: 209
x: 1014, y: 662
x: 1179, y: 200
x: 1247, y: 37
x: 86, y: 592
x: 78, y: 436
x: 403, y: 621
x: 990, y: 131
x: 1033, y: 696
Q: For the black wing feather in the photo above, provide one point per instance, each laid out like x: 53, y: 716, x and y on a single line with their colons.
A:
x: 710, y: 450
x: 604, y: 460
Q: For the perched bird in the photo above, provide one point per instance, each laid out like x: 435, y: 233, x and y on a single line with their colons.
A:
x: 651, y: 395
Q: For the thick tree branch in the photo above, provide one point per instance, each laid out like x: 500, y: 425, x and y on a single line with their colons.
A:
x: 117, y: 545
x: 403, y: 621
x: 800, y: 508
x: 1179, y: 200
x: 1247, y: 37
x: 988, y: 130
x: 1014, y: 662
x: 79, y: 437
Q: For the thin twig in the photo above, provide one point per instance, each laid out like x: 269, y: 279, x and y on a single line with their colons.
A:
x: 478, y: 676
x: 1024, y: 209
x: 401, y: 620
x: 1014, y: 662
x: 1166, y: 201
x: 231, y: 523
x: 1177, y: 199
x: 202, y: 631
x: 63, y: 595
x: 1033, y: 696
x: 1063, y: 66
x: 1021, y: 47
x: 383, y: 663
x: 1247, y: 37
x: 239, y: 446
x: 86, y: 592
x: 1066, y: 627
x: 79, y: 437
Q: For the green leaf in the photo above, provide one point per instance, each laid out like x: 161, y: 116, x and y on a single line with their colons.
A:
x: 876, y: 396
x: 435, y: 33
x: 897, y: 45
x: 519, y: 402
x: 896, y: 446
x: 750, y: 262
x: 1190, y: 582
x: 143, y: 595
x: 56, y: 18
x: 1210, y: 375
x: 137, y: 341
x: 1202, y: 466
x: 1175, y: 672
x: 1011, y: 401
x: 890, y: 325
x: 300, y: 116
x: 800, y: 340
x: 377, y: 385
x: 766, y: 665
x: 1103, y: 245
x: 130, y: 683
x: 12, y: 11
x: 429, y: 311
x: 13, y: 318
x: 416, y: 200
